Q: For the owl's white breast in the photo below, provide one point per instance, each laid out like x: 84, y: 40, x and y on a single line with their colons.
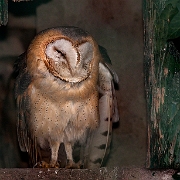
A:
x: 59, y: 118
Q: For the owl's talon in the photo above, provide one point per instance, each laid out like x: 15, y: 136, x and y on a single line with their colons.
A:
x: 43, y: 164
x: 56, y: 165
x: 72, y: 165
x: 80, y: 164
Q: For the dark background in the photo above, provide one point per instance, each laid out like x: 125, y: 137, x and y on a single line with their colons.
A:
x: 118, y: 26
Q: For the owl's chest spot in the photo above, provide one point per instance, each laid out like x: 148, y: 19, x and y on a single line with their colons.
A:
x: 53, y: 118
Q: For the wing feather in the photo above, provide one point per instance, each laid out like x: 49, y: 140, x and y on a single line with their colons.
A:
x: 23, y: 80
x: 108, y: 110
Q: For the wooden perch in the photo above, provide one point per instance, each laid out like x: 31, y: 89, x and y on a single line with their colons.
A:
x: 20, y: 0
x: 97, y: 174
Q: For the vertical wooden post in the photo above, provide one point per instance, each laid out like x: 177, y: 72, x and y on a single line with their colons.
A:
x: 162, y: 82
x: 3, y: 12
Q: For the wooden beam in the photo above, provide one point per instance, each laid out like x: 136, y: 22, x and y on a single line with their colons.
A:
x: 162, y: 81
x: 3, y: 12
x: 99, y: 174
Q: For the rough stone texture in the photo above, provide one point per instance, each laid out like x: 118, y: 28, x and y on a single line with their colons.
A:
x: 97, y: 174
x: 118, y: 27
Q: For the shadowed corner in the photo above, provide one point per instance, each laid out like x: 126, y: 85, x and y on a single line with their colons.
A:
x: 116, y: 125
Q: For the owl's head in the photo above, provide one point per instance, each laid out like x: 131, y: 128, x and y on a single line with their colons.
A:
x: 68, y: 53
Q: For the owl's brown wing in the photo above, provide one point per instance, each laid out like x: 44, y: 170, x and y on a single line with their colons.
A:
x: 99, y: 144
x: 23, y: 80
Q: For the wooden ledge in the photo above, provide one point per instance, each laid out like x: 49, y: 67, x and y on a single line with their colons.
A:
x: 86, y: 174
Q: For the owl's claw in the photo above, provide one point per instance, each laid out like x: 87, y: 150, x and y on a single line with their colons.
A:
x: 72, y: 165
x: 43, y: 164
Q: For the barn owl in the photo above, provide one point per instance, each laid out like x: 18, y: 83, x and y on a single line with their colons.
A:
x: 65, y: 94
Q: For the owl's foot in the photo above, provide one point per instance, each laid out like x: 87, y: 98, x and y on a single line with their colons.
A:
x: 43, y: 164
x: 72, y: 165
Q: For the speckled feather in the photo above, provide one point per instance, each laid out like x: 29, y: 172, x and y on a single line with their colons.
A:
x: 98, y: 145
x: 58, y: 104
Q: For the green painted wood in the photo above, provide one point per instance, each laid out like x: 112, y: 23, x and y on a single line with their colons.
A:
x: 162, y: 82
x: 3, y: 12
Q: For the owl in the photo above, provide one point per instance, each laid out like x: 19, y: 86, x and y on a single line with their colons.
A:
x: 65, y: 95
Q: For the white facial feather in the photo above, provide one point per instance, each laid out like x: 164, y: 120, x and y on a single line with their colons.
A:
x: 86, y: 52
x: 71, y: 62
x: 62, y: 50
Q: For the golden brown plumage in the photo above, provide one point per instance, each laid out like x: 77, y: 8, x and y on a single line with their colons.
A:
x: 57, y: 93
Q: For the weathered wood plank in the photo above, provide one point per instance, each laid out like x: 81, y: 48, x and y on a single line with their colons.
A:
x: 98, y: 174
x: 3, y: 12
x: 20, y: 0
x: 162, y: 80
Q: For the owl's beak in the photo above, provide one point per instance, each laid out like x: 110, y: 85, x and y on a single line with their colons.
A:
x: 72, y: 72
